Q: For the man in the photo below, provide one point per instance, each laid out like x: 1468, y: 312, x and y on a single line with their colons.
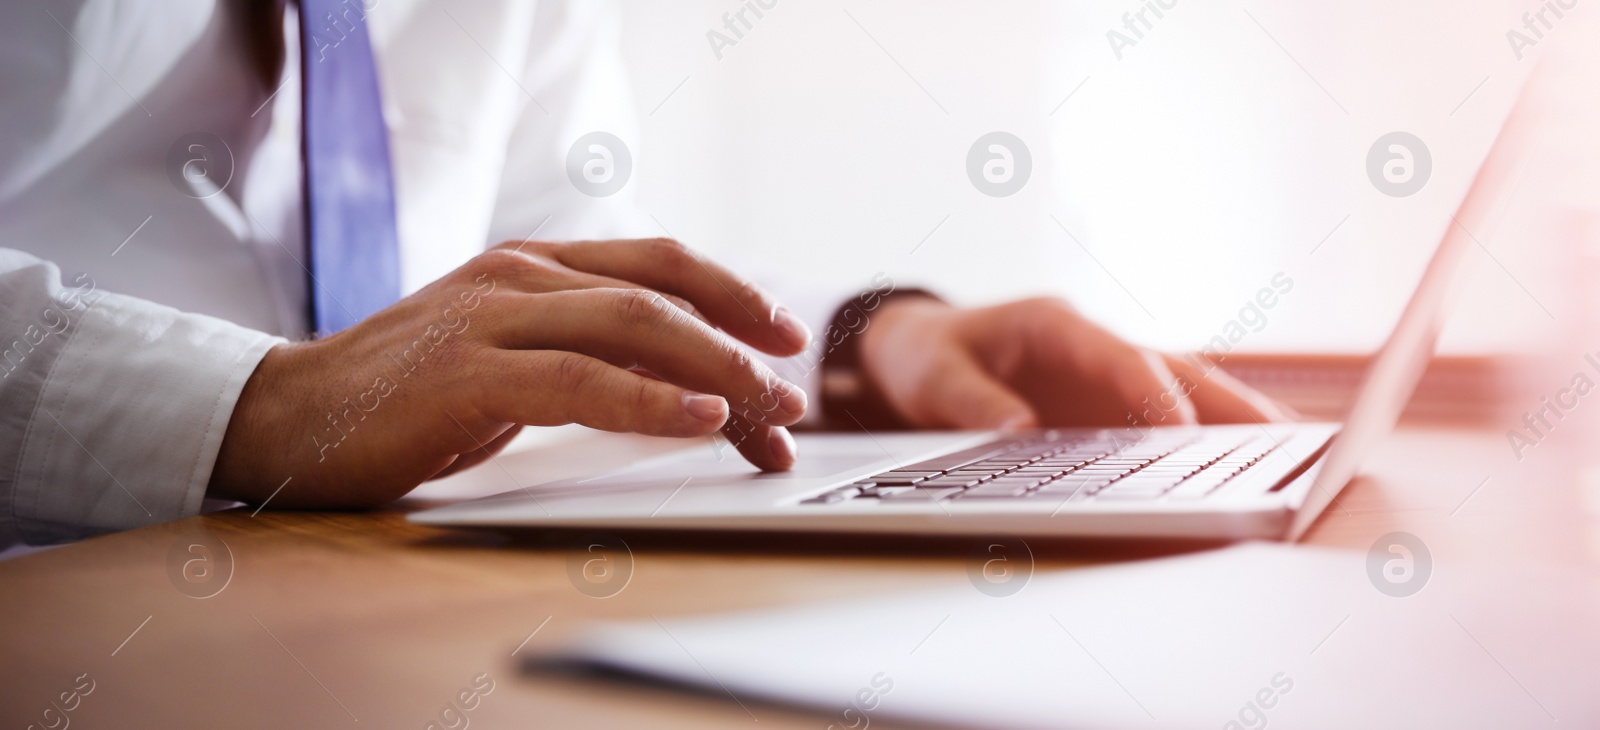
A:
x: 154, y: 154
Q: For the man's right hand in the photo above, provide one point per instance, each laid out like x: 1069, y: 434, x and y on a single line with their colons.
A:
x: 630, y: 336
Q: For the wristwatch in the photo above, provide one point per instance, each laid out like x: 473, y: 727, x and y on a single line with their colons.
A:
x: 849, y: 399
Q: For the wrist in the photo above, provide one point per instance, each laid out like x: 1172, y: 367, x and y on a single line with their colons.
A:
x: 897, y: 326
x: 253, y: 446
x: 851, y: 395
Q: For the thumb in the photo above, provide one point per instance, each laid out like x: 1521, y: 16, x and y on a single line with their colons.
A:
x: 964, y: 395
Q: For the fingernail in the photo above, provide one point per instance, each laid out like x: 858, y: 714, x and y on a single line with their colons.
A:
x: 790, y: 327
x: 782, y: 445
x: 1016, y: 421
x: 708, y: 408
x: 792, y: 399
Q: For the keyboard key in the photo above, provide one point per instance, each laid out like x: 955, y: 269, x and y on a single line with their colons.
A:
x: 1152, y: 481
x: 1079, y: 477
x: 946, y: 482
x: 1119, y: 493
x: 968, y: 472
x: 1172, y: 470
x: 925, y: 495
x: 1104, y: 472
x: 1007, y: 463
x: 989, y: 464
x: 1068, y: 464
x: 1141, y: 454
x: 1045, y: 473
x: 1197, y: 461
x: 1059, y: 491
x: 1171, y: 464
x: 995, y: 491
x: 1198, y: 486
x: 1014, y: 481
x: 886, y: 491
x: 834, y: 496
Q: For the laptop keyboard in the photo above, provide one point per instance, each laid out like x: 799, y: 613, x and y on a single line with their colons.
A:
x: 1075, y: 466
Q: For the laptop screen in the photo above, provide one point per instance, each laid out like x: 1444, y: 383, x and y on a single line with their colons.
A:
x: 1399, y: 365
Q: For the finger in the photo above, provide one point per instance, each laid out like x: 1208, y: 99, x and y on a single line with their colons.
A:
x: 483, y: 453
x: 770, y: 448
x: 728, y: 300
x: 637, y: 326
x: 581, y: 280
x: 1221, y: 398
x: 547, y: 388
x: 531, y: 272
x: 1149, y: 388
x: 964, y: 395
x: 1138, y: 378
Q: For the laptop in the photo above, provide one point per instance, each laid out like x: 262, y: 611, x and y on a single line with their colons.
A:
x: 1230, y: 482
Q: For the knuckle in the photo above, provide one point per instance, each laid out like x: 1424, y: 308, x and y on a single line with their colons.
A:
x: 667, y: 247
x: 747, y: 291
x: 674, y: 255
x: 499, y: 263
x: 475, y: 361
x: 642, y: 396
x: 514, y: 264
x: 541, y: 265
x: 739, y: 360
x: 574, y: 372
x: 531, y: 246
x: 684, y: 305
x: 500, y: 259
x: 637, y: 308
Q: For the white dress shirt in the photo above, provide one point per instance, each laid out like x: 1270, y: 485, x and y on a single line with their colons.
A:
x: 131, y: 313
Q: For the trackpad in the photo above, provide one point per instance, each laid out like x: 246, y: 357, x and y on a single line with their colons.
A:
x: 823, y: 458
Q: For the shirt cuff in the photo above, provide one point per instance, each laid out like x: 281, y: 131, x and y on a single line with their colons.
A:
x: 130, y: 419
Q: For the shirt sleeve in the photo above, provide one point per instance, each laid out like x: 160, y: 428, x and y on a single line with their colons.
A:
x: 112, y: 409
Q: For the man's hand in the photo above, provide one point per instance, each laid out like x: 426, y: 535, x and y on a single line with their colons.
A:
x: 1036, y: 362
x: 617, y: 335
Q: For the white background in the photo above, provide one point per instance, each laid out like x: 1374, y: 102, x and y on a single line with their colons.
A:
x: 1222, y: 148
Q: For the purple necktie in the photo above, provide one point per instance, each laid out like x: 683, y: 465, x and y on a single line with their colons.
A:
x: 350, y: 219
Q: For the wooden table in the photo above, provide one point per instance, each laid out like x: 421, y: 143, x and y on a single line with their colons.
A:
x: 363, y: 620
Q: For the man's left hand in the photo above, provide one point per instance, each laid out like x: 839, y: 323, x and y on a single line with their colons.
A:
x: 1037, y: 362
